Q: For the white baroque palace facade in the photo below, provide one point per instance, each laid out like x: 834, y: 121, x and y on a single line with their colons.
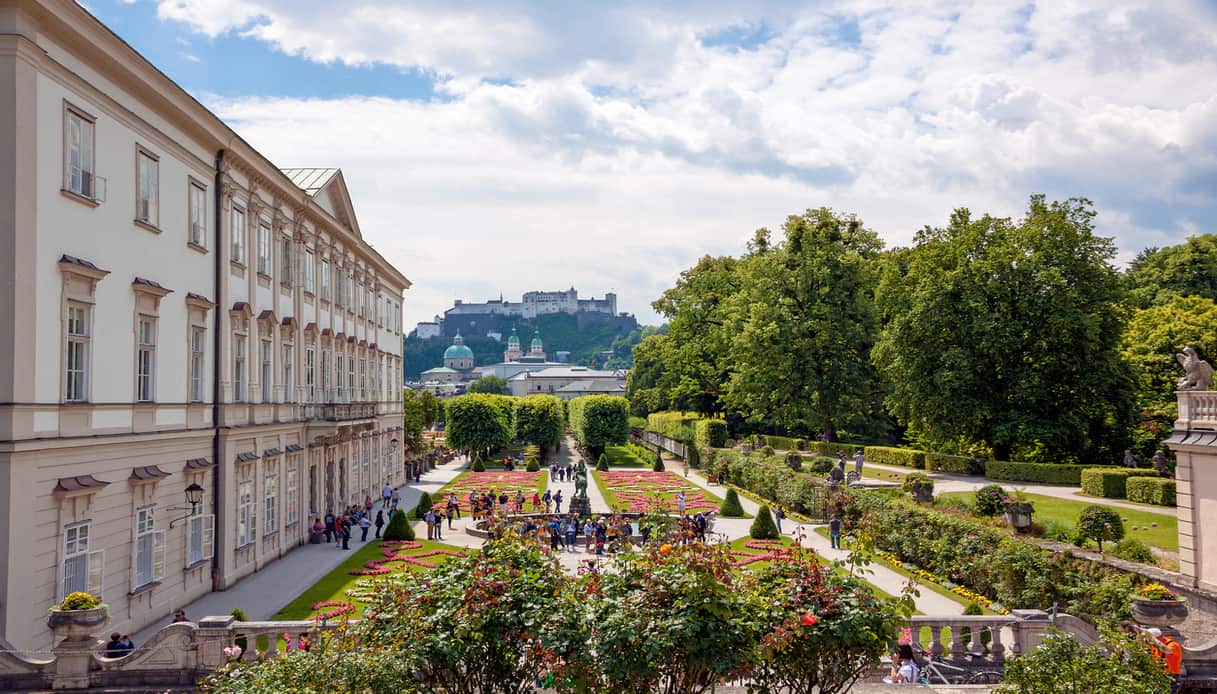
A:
x: 175, y: 311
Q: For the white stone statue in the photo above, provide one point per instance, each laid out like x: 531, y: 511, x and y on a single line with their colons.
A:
x: 1198, y: 372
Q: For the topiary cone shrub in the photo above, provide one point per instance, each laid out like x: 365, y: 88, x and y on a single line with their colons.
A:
x: 731, y: 507
x: 478, y: 465
x: 532, y: 464
x: 602, y: 464
x: 399, y: 527
x: 658, y: 466
x: 424, y: 504
x: 763, y: 527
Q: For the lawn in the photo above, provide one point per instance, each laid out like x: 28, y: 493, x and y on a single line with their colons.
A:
x: 1154, y: 529
x: 629, y: 456
x: 638, y: 491
x: 334, y: 587
x: 495, y: 462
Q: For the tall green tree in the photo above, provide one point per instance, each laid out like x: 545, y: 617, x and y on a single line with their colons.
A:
x: 490, y: 384
x: 540, y: 420
x: 1152, y: 339
x: 1187, y: 269
x: 649, y: 383
x: 431, y: 406
x: 599, y: 421
x: 479, y: 423
x: 700, y: 332
x: 807, y: 320
x: 1006, y: 332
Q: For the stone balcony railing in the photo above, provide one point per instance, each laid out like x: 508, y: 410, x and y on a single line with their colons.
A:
x: 181, y: 654
x: 1197, y: 410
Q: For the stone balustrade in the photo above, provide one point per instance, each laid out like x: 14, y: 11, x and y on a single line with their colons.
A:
x: 180, y: 654
x: 1197, y: 410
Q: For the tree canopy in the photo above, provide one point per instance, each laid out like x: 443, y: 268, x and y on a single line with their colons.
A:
x: 480, y: 422
x: 491, y: 384
x: 1188, y: 269
x: 540, y: 420
x: 1006, y: 332
x: 599, y: 421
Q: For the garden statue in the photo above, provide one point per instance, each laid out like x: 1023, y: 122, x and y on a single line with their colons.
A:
x: 580, y: 505
x: 1199, y: 373
x: 1160, y: 463
x: 1130, y: 459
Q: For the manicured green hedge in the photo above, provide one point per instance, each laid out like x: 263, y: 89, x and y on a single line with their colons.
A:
x: 781, y: 443
x: 957, y: 464
x: 1034, y: 472
x: 710, y: 433
x: 1110, y: 482
x: 830, y: 448
x: 884, y: 455
x: 1151, y: 490
x: 769, y: 477
x: 674, y: 425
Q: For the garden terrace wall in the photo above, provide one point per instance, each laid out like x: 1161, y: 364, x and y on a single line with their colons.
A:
x: 1151, y: 490
x: 1110, y: 482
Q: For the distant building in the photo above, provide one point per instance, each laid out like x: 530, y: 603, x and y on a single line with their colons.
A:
x: 439, y: 375
x: 567, y: 382
x: 562, y: 356
x: 429, y: 329
x: 537, y: 303
x: 459, y: 358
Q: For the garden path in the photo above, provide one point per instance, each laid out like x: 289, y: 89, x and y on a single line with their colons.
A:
x: 265, y: 592
x: 885, y: 579
x: 945, y: 482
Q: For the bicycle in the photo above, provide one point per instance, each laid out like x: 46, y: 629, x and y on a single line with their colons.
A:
x: 934, y: 666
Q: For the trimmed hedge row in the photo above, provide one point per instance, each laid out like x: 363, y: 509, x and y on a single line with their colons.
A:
x: 1044, y: 473
x: 674, y: 425
x: 830, y: 448
x: 770, y: 478
x: 885, y: 455
x: 710, y: 433
x: 1110, y: 482
x: 1151, y: 490
x: 980, y: 557
x: 957, y: 464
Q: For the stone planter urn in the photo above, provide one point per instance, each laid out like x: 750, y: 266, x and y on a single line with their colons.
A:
x: 923, y: 494
x: 1018, y: 515
x: 78, y: 625
x: 1159, y: 613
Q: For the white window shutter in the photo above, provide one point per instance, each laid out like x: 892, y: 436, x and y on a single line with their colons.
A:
x: 158, y: 555
x: 209, y: 533
x: 97, y: 571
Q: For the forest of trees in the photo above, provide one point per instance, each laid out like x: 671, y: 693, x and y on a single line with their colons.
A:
x: 1010, y: 338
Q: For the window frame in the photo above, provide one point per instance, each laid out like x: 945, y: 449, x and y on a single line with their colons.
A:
x: 291, y: 492
x: 289, y: 354
x: 202, y: 525
x: 144, y: 529
x: 266, y: 368
x: 145, y: 374
x: 310, y: 373
x: 247, y: 512
x: 310, y: 271
x: 238, y: 237
x: 152, y: 222
x: 270, y: 498
x: 198, y: 363
x: 85, y: 341
x: 70, y: 110
x: 287, y: 255
x: 240, y: 364
x: 325, y: 278
x: 195, y: 187
x: 85, y: 552
x: 264, y: 251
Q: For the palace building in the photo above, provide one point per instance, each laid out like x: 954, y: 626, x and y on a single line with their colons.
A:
x: 201, y: 352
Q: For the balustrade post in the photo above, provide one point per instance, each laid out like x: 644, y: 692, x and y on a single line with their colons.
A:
x: 213, y: 636
x: 1029, y: 629
x: 957, y: 641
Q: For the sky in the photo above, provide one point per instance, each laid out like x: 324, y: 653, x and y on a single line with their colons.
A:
x: 499, y: 147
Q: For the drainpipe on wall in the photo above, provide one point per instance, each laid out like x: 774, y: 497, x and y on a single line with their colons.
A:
x: 217, y: 535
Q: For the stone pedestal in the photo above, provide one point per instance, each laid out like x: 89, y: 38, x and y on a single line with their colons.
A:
x: 581, y: 506
x: 73, y: 662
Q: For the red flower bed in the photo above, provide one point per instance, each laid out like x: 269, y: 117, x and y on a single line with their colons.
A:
x: 340, y: 606
x: 638, y: 489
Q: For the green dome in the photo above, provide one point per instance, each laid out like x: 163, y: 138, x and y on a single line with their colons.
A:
x: 514, y: 340
x: 536, y: 342
x: 458, y: 352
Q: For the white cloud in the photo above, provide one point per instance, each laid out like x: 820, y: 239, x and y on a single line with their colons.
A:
x: 623, y: 146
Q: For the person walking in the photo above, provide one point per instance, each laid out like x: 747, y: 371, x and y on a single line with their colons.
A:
x: 572, y: 533
x: 858, y: 458
x: 681, y: 502
x: 329, y: 526
x: 387, y: 494
x: 429, y: 519
x: 558, y: 501
x: 380, y: 521
x: 834, y: 532
x: 778, y: 515
x: 364, y: 524
x: 439, y: 525
x: 346, y: 532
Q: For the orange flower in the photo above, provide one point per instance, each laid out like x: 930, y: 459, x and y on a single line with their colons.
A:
x: 664, y: 549
x: 809, y: 620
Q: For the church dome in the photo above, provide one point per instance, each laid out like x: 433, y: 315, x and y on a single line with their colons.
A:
x: 536, y: 343
x: 458, y: 350
x: 514, y: 340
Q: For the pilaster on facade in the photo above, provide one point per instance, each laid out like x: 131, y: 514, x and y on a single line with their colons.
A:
x: 1194, y: 443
